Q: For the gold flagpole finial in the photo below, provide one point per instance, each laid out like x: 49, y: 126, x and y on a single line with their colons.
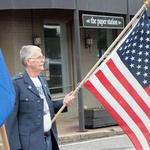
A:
x: 147, y: 2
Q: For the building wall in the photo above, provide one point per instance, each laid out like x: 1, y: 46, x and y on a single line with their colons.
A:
x: 27, y: 24
x: 110, y: 6
x: 16, y: 31
x: 18, y: 28
x: 135, y: 5
x: 104, y: 6
x: 6, y: 40
x: 32, y: 4
x: 25, y: 27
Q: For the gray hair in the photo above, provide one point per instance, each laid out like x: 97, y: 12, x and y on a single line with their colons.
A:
x: 26, y: 52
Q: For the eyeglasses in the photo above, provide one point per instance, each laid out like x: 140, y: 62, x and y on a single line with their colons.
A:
x: 39, y: 58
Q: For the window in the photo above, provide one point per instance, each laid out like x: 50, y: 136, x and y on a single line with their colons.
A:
x: 57, y: 56
x: 105, y: 38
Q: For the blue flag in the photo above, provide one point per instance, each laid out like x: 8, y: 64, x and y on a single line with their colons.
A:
x: 7, y: 92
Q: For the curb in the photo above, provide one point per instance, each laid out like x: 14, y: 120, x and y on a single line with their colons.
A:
x: 90, y: 134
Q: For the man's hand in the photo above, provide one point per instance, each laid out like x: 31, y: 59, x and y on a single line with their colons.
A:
x: 69, y: 99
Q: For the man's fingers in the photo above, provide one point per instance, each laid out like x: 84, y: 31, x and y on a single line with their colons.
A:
x: 68, y: 100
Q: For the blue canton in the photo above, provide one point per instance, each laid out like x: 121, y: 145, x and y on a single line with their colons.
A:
x: 135, y: 51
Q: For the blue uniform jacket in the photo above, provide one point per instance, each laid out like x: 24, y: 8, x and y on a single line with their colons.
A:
x: 25, y: 125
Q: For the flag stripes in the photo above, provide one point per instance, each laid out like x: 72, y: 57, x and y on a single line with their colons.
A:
x: 130, y: 131
x: 138, y: 103
x: 110, y: 86
x: 133, y: 114
x: 131, y: 80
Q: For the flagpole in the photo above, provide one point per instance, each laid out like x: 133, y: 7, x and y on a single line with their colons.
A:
x: 4, y: 137
x: 145, y: 5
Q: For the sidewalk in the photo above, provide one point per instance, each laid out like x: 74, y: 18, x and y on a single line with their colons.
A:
x: 68, y: 131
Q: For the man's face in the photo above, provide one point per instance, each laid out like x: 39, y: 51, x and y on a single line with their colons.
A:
x: 36, y: 62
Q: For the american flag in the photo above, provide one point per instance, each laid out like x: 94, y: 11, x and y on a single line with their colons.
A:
x: 122, y: 83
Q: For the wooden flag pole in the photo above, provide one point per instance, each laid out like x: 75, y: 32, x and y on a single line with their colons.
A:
x: 4, y: 137
x: 145, y: 5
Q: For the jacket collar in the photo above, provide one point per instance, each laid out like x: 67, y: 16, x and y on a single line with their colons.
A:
x: 30, y: 84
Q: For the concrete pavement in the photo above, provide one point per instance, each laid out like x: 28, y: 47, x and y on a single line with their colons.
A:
x: 117, y: 142
x: 68, y: 131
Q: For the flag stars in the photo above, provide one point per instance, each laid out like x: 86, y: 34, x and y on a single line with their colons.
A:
x: 145, y: 81
x: 134, y: 44
x: 141, y: 45
x: 147, y: 46
x: 146, y: 60
x: 146, y: 53
x: 123, y: 53
x: 138, y: 73
x: 135, y: 37
x: 143, y: 16
x: 136, y: 52
x: 129, y: 45
x: 128, y: 51
x: 140, y: 53
x: 140, y: 59
x: 120, y: 48
x: 132, y: 58
x: 133, y: 51
x: 147, y: 39
x: 133, y: 33
x: 142, y: 31
x: 147, y: 25
x: 147, y: 32
x: 127, y: 40
x: 126, y: 58
x: 145, y: 74
x: 145, y: 67
x: 125, y: 47
x: 141, y: 39
x: 131, y: 65
x: 142, y: 24
x: 139, y: 66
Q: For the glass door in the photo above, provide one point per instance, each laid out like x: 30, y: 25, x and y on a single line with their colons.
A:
x: 57, y: 56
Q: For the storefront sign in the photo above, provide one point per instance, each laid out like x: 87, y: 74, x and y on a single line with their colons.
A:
x: 95, y: 21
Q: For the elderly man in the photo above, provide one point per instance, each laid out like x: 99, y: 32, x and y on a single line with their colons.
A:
x: 29, y: 126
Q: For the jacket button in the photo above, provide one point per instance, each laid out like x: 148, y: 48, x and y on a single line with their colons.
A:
x: 38, y: 101
x: 27, y: 99
x: 39, y: 116
x: 38, y: 124
x: 39, y: 109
